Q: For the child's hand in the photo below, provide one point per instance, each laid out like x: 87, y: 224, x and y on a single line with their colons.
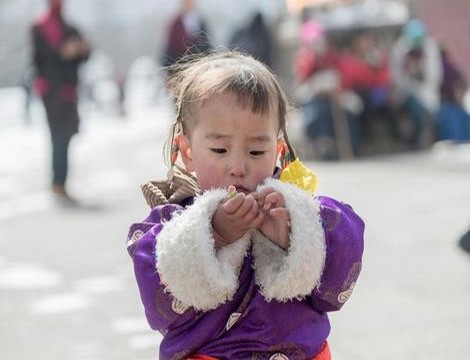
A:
x: 234, y: 217
x: 275, y: 225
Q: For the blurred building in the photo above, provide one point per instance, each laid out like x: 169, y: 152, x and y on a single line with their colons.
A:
x: 449, y: 23
x: 341, y: 18
x: 298, y: 5
x: 122, y: 30
x: 127, y: 30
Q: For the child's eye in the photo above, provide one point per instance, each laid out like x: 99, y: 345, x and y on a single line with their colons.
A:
x: 257, y: 152
x: 219, y: 150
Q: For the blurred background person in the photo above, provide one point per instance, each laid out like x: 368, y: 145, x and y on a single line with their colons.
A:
x: 58, y: 50
x: 416, y: 75
x: 120, y: 80
x: 187, y: 34
x: 453, y: 121
x: 254, y: 39
x: 27, y: 79
x: 327, y: 120
x: 364, y: 70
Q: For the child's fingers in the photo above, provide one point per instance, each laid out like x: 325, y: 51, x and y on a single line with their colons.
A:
x: 246, y: 206
x: 255, y: 195
x: 273, y: 200
x: 257, y: 221
x: 252, y: 213
x: 280, y: 214
x: 233, y: 204
x: 262, y: 195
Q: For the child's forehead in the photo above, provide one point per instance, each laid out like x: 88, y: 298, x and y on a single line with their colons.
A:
x: 224, y: 112
x: 228, y: 99
x: 227, y: 102
x: 230, y: 107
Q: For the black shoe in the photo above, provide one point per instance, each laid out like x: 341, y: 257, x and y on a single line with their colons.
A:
x: 464, y: 242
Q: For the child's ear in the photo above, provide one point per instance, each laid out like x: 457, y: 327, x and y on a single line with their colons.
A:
x: 185, y: 150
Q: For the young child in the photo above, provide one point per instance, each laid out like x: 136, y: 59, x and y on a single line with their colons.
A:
x: 235, y: 262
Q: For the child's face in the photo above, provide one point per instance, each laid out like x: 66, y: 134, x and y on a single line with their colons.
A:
x: 230, y: 145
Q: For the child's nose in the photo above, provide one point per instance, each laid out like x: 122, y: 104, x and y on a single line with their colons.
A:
x: 238, y: 167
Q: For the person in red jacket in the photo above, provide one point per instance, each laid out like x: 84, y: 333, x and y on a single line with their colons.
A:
x: 187, y: 34
x: 365, y: 71
x: 328, y: 123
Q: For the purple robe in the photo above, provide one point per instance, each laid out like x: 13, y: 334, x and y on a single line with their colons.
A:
x: 255, y: 301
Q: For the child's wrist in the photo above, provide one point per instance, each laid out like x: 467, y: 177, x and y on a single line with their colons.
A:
x: 219, y: 240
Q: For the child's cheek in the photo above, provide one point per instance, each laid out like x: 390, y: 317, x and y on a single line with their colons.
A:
x: 206, y: 181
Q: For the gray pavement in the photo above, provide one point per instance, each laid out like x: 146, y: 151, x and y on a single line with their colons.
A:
x: 66, y: 282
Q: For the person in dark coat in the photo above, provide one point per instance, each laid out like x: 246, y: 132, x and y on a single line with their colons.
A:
x: 58, y: 50
x: 254, y: 40
x: 452, y: 119
x: 187, y: 34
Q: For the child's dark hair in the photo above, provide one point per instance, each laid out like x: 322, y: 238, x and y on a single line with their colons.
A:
x: 195, y: 80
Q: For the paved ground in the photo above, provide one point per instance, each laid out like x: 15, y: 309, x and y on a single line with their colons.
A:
x: 66, y: 283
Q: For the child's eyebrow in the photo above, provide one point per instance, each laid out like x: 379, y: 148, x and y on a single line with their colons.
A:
x: 219, y: 136
x: 260, y: 138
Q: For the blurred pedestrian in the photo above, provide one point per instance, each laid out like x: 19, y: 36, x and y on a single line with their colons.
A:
x: 120, y: 79
x: 187, y: 34
x: 27, y: 78
x: 235, y: 246
x: 58, y: 50
x: 254, y: 39
x: 330, y: 123
x: 416, y: 75
x: 453, y: 121
x: 365, y: 71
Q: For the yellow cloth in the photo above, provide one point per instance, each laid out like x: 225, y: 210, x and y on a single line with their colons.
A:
x: 298, y: 174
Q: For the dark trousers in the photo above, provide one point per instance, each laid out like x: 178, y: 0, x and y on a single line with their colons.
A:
x: 60, y: 159
x: 418, y: 115
x: 318, y: 120
x: 62, y: 118
x: 376, y: 107
x: 453, y: 122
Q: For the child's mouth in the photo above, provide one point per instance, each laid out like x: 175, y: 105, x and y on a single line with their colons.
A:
x: 240, y: 188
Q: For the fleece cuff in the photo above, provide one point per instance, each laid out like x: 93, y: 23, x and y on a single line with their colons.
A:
x: 187, y: 262
x: 292, y: 274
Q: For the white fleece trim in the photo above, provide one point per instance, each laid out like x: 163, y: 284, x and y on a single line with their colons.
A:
x: 187, y: 262
x: 285, y: 275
